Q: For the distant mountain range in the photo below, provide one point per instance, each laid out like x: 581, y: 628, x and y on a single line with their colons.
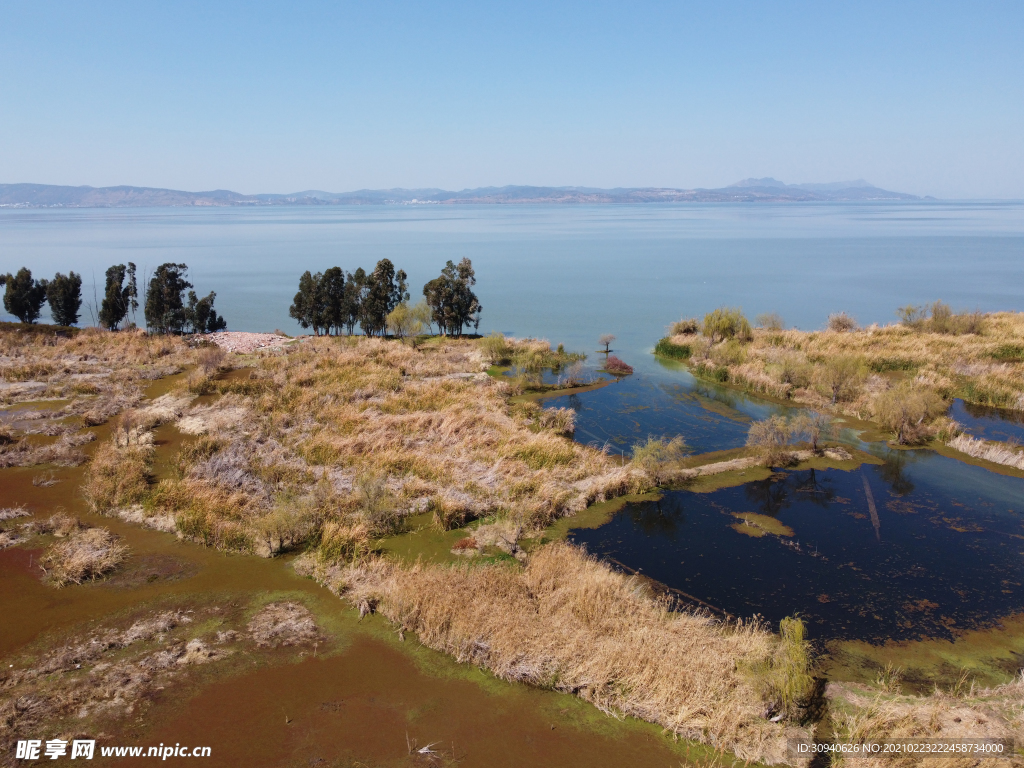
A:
x: 766, y: 190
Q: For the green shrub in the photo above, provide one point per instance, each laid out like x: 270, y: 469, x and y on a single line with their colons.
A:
x: 496, y: 349
x: 727, y: 323
x: 658, y: 454
x: 666, y: 348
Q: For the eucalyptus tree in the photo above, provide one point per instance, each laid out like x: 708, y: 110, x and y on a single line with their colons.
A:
x: 120, y: 295
x: 23, y: 296
x: 64, y: 295
x: 201, y: 317
x: 386, y: 289
x: 309, y: 306
x: 352, y: 299
x: 451, y: 299
x: 165, y: 307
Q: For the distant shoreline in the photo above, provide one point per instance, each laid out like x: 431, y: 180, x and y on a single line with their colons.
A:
x: 752, y: 191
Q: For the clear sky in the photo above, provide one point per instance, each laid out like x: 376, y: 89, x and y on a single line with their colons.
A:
x: 923, y: 97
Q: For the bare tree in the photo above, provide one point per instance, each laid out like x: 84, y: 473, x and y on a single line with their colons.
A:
x: 813, y: 427
x: 606, y: 339
x: 770, y: 437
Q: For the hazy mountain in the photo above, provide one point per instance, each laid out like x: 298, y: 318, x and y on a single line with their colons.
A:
x: 748, y: 190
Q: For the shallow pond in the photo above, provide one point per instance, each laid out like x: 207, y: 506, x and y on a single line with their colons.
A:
x: 919, y: 545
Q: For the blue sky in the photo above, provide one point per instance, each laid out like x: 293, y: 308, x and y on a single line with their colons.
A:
x: 280, y: 97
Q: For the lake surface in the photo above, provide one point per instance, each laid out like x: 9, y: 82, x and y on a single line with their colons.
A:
x: 943, y: 549
x: 567, y: 273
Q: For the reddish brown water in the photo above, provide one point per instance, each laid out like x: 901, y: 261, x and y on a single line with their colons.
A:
x: 354, y: 707
x: 370, y: 703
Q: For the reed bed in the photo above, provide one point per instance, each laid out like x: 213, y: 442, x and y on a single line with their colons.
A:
x: 965, y: 711
x: 567, y: 622
x: 997, y: 453
x: 282, y: 451
x: 875, y: 373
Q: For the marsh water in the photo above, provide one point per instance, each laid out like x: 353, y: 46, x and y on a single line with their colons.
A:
x: 915, y: 545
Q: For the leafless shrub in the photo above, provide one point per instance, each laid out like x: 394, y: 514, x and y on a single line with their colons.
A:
x: 840, y: 322
x: 211, y: 359
x: 813, y: 427
x: 685, y: 327
x: 574, y: 376
x: 770, y: 437
x: 770, y: 321
x: 377, y: 504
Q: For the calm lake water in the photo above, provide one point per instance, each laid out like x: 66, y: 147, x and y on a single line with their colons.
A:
x: 943, y: 549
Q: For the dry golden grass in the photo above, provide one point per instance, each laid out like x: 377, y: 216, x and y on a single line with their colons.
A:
x: 83, y: 554
x: 118, y: 477
x: 567, y: 622
x: 293, y: 447
x: 434, y: 430
x: 99, y: 372
x: 997, y: 453
x: 861, y: 714
x: 851, y: 371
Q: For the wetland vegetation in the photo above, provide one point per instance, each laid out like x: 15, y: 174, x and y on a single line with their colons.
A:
x: 420, y: 480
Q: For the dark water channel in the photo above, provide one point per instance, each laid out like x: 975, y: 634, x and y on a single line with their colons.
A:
x: 989, y: 423
x: 917, y: 545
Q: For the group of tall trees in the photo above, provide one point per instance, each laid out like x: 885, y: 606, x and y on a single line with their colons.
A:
x: 333, y: 301
x: 24, y: 296
x: 166, y: 311
x: 165, y: 307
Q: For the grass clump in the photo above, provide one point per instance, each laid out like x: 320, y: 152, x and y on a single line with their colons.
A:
x: 868, y: 373
x: 81, y: 555
x: 783, y: 677
x: 567, y: 622
x: 118, y: 477
x: 688, y: 326
x: 667, y: 348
